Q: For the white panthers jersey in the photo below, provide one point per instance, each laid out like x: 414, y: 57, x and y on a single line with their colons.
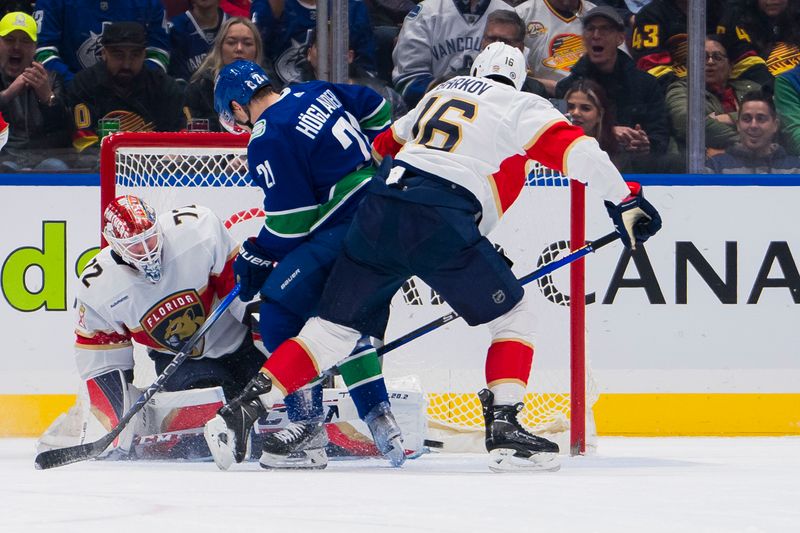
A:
x: 483, y: 135
x: 117, y: 304
x: 554, y: 43
x: 437, y: 38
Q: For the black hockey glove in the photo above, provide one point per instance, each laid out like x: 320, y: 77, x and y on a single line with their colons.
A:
x: 251, y: 268
x: 635, y: 219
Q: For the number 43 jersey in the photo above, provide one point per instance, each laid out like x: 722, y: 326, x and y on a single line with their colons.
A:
x: 484, y: 136
x: 116, y: 304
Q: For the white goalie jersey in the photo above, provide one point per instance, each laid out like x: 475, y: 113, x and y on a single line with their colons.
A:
x: 484, y: 136
x: 117, y: 305
x: 553, y: 42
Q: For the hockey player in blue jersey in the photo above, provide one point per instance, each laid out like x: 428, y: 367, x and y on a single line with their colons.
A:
x: 69, y: 32
x: 310, y: 152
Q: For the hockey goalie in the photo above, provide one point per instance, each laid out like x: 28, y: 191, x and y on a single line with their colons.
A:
x: 154, y: 286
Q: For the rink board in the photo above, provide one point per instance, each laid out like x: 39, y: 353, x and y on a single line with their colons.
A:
x: 705, y: 325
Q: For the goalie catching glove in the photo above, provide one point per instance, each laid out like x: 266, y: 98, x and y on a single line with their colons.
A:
x: 635, y: 219
x: 251, y: 268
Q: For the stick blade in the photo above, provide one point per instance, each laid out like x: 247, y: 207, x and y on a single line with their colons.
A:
x: 70, y: 454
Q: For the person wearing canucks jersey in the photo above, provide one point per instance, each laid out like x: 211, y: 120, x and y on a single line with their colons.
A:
x: 286, y: 31
x: 70, y: 30
x: 310, y: 153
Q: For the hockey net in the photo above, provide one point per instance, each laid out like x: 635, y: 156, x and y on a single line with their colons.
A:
x: 171, y: 170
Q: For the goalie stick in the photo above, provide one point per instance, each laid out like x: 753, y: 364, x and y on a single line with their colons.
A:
x: 82, y: 452
x: 586, y: 249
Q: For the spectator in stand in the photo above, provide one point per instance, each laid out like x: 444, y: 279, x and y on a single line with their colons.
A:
x: 285, y: 27
x: 764, y: 39
x: 642, y: 128
x: 386, y: 18
x: 119, y: 87
x: 438, y: 37
x: 756, y: 152
x: 356, y: 76
x: 588, y: 107
x: 233, y: 8
x: 192, y: 34
x: 787, y: 102
x: 553, y: 37
x: 722, y: 100
x: 659, y: 41
x: 237, y: 39
x: 31, y: 100
x: 70, y: 32
x: 504, y: 26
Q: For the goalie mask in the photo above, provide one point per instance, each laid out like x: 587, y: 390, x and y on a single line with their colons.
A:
x: 134, y: 234
x: 499, y: 60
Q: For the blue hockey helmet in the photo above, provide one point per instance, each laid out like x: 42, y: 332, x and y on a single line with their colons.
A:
x: 236, y: 82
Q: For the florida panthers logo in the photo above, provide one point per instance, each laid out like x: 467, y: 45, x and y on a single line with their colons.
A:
x: 173, y: 320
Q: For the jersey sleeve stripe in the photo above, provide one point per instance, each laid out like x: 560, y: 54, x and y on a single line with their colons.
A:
x: 387, y: 143
x: 378, y: 119
x: 101, y: 341
x: 745, y: 63
x: 301, y: 221
x: 549, y: 147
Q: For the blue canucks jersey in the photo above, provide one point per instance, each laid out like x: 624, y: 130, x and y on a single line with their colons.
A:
x: 190, y: 43
x: 69, y: 31
x: 287, y: 37
x: 310, y: 152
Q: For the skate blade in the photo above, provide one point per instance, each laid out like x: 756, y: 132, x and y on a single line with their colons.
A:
x: 396, y: 454
x: 313, y: 459
x: 504, y: 460
x: 221, y: 442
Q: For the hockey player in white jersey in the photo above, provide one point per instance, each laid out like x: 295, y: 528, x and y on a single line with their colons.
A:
x: 438, y: 37
x: 553, y: 37
x: 154, y: 285
x: 461, y: 159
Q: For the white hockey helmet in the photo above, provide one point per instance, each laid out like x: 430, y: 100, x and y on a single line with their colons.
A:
x: 131, y: 228
x: 501, y: 60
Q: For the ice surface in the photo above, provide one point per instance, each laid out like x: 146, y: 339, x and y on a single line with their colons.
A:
x: 638, y: 485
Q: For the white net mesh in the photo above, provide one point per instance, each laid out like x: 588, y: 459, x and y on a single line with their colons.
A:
x: 170, y: 177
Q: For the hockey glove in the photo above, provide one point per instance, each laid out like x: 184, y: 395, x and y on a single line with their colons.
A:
x: 251, y: 268
x: 635, y: 219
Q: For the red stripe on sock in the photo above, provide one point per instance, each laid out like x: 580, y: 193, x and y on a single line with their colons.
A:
x: 509, y: 360
x: 291, y: 366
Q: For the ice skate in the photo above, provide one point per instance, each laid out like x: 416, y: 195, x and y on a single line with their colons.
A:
x: 386, y: 433
x: 511, y: 447
x: 228, y: 433
x: 300, y: 445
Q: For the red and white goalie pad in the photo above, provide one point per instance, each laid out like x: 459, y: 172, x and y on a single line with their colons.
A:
x: 169, y: 426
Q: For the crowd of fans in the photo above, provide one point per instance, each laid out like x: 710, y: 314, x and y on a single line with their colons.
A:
x: 72, y: 71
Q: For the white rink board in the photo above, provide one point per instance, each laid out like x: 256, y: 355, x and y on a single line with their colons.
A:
x: 634, y: 345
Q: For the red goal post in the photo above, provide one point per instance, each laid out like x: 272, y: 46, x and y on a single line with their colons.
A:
x: 174, y: 169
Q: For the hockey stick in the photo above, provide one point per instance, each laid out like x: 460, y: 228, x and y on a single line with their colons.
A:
x: 524, y: 280
x: 81, y: 452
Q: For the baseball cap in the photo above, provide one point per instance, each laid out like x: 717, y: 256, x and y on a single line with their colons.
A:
x: 124, y: 34
x: 18, y: 20
x: 604, y: 11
